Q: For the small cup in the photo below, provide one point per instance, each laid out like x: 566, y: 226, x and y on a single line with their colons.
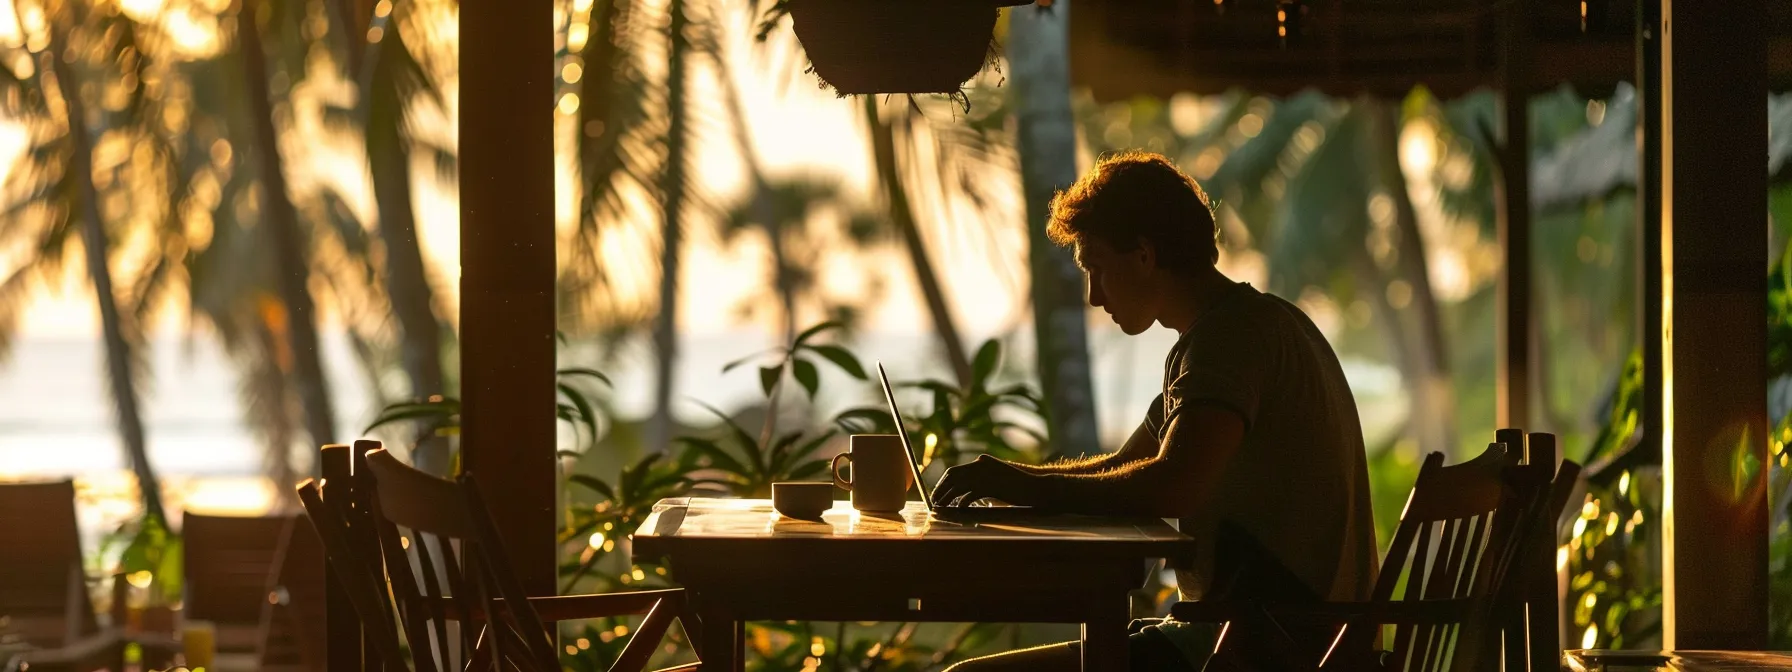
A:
x: 803, y: 499
x: 199, y: 644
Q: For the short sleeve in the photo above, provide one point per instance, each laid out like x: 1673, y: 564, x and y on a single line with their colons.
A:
x: 1154, y: 418
x: 1227, y: 366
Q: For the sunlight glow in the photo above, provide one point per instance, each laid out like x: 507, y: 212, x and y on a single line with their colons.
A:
x: 140, y: 10
x: 10, y: 35
x: 572, y: 73
x: 1250, y: 124
x: 1418, y: 146
x: 1624, y: 483
x: 1592, y: 637
x: 597, y: 540
x: 191, y: 35
x: 577, y: 35
x: 569, y: 104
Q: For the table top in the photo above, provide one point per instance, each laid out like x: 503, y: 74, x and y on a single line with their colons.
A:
x: 728, y: 524
x: 1608, y: 660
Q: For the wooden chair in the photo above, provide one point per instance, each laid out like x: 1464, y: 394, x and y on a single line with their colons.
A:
x: 1531, y: 606
x: 47, y: 619
x: 229, y: 568
x: 238, y: 577
x: 293, y: 634
x: 452, y: 594
x: 1456, y: 540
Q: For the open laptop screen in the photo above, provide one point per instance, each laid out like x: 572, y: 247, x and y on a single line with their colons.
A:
x: 914, y: 460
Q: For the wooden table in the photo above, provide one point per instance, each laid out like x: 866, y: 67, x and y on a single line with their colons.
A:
x: 742, y: 561
x: 1607, y: 660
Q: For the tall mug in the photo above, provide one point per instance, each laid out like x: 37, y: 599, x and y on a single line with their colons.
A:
x: 881, y: 475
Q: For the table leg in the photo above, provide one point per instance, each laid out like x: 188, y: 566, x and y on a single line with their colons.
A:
x: 1104, y: 637
x: 722, y: 639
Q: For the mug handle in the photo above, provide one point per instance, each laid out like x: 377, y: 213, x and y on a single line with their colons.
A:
x: 842, y: 483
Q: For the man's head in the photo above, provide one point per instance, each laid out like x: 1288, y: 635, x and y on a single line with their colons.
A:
x: 1140, y: 228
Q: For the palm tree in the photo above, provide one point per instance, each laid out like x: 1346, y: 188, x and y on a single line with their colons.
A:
x: 61, y: 200
x: 673, y: 185
x: 902, y: 215
x: 1038, y: 60
x: 290, y: 243
x: 388, y: 79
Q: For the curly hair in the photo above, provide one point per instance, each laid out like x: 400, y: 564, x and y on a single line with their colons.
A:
x: 1130, y: 197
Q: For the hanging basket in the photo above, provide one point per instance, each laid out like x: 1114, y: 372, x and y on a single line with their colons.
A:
x: 896, y: 46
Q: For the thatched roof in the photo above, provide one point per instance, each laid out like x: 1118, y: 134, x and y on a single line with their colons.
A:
x: 1124, y: 48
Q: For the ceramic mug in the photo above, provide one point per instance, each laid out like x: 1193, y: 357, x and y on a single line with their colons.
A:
x: 880, y: 472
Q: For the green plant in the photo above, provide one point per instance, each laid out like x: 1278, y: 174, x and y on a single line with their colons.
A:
x: 746, y: 465
x: 964, y: 422
x: 151, y: 557
x: 439, y: 415
x: 620, y: 511
x: 1614, y: 578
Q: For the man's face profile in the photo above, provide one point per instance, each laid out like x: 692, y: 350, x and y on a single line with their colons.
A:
x: 1120, y: 282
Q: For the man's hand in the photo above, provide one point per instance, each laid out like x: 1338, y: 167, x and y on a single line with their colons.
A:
x: 984, y: 477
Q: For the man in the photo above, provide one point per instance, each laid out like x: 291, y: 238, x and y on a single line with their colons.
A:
x: 1254, y: 444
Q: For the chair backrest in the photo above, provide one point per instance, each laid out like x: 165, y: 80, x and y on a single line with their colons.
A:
x: 421, y: 521
x: 1449, y: 553
x: 1530, y: 605
x: 434, y: 543
x: 43, y: 591
x: 229, y: 566
x: 293, y: 634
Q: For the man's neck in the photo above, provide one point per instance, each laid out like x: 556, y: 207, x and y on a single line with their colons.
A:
x: 1189, y: 299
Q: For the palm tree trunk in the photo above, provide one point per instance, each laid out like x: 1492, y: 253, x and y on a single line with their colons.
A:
x: 883, y: 150
x: 407, y: 282
x: 1039, y: 64
x: 1434, y: 400
x: 290, y: 244
x: 93, y: 237
x: 672, y: 193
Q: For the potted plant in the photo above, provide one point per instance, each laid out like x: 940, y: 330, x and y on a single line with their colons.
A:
x: 905, y: 46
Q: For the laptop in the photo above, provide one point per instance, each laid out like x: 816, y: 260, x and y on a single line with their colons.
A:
x: 949, y: 513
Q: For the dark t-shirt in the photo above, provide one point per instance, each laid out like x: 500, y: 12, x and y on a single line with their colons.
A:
x: 1298, y: 484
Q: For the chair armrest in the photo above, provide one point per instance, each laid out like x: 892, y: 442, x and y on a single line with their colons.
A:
x: 1401, y: 612
x: 576, y: 607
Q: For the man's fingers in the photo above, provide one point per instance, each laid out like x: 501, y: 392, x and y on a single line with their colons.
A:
x: 943, y: 491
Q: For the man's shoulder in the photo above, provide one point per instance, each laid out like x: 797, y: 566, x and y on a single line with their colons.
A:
x: 1248, y: 316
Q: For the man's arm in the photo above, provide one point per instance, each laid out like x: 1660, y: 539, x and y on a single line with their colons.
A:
x: 1176, y: 482
x: 1141, y: 445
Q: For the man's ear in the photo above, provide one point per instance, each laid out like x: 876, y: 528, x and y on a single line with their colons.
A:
x: 1146, y: 253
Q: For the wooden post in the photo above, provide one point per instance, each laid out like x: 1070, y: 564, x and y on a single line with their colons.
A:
x: 1513, y: 363
x: 1648, y: 212
x: 1714, y: 336
x: 507, y: 273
